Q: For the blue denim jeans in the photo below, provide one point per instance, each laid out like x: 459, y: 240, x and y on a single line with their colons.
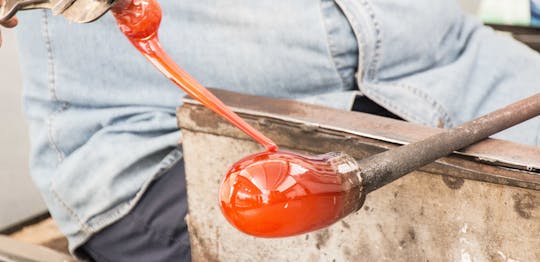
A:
x: 154, y: 230
x: 102, y: 120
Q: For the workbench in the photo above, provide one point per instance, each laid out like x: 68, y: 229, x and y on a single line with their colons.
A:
x: 479, y: 204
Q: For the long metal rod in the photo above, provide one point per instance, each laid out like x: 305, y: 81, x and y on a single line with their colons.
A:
x: 381, y: 169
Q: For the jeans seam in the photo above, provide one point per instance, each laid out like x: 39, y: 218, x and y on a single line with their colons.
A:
x: 50, y: 132
x: 355, y: 25
x: 391, y: 106
x: 51, y: 86
x: 91, y: 226
x: 127, y: 206
x: 372, y: 68
x: 443, y: 114
x: 330, y: 45
x: 446, y: 119
x: 72, y: 212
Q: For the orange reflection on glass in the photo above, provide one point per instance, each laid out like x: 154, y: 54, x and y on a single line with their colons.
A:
x: 278, y: 194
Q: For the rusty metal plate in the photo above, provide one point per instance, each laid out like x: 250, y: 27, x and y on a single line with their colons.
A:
x: 420, y: 217
x: 319, y: 129
x: 481, y: 204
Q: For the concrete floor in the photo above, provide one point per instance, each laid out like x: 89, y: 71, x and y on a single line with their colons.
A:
x: 19, y: 198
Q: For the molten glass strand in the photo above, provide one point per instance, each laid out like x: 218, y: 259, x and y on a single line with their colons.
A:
x: 270, y: 194
x: 139, y: 20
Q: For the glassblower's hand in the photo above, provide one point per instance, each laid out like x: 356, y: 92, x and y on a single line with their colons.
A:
x: 9, y: 24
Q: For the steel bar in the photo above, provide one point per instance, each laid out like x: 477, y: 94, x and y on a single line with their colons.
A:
x: 381, y: 169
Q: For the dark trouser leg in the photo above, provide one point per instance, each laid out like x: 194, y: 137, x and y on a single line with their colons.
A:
x: 366, y: 105
x: 154, y: 230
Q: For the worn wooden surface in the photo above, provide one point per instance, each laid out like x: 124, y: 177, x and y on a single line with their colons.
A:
x: 44, y: 233
x: 459, y: 209
x: 41, y: 242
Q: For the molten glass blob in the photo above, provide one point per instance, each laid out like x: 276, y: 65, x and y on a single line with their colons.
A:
x: 139, y: 20
x: 280, y: 194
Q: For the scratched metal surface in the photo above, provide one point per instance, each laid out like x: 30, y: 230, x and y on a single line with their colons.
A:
x: 319, y: 129
x: 446, y: 212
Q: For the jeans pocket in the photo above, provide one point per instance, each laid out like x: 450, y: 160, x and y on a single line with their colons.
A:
x: 341, y: 43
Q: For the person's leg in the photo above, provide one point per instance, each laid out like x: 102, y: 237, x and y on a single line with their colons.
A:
x: 154, y: 230
x: 430, y: 63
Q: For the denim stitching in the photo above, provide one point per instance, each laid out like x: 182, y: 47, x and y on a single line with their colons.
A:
x: 52, y: 89
x: 355, y: 25
x: 50, y: 120
x: 443, y: 113
x: 50, y: 132
x: 50, y: 58
x: 331, y: 46
x: 372, y: 68
x: 391, y: 106
x: 166, y: 164
x: 447, y: 120
x: 72, y: 212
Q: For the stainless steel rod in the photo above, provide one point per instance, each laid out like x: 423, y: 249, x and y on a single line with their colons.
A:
x: 381, y: 169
